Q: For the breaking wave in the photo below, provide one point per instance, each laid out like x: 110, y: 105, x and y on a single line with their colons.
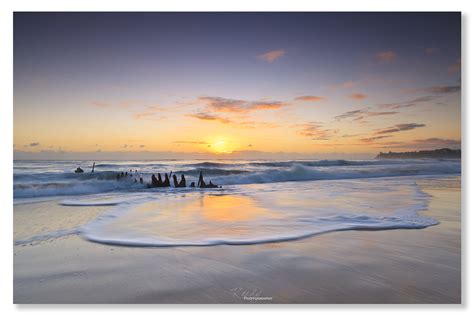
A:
x: 44, y: 179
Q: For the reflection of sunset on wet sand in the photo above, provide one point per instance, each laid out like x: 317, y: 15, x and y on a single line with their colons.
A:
x: 227, y: 208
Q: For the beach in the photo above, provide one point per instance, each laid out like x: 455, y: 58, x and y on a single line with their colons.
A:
x: 102, y: 262
x: 253, y: 157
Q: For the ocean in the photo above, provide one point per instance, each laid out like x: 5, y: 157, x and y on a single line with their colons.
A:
x: 259, y: 202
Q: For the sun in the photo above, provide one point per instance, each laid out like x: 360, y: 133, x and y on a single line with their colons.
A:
x: 220, y: 146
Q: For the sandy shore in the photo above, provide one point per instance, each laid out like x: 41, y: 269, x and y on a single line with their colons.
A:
x: 396, y: 266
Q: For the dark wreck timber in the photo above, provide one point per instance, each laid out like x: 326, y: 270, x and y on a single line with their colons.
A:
x: 436, y: 154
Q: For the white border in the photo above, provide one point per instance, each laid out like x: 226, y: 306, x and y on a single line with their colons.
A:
x: 6, y: 137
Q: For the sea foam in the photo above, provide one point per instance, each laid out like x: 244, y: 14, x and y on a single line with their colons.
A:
x: 254, y: 214
x: 43, y: 179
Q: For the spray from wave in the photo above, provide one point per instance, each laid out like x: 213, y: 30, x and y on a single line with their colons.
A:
x: 55, y: 178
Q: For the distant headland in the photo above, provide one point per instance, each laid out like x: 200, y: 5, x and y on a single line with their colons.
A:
x: 439, y: 153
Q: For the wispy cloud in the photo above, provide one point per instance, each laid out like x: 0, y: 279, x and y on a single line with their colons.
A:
x: 310, y: 98
x: 430, y: 50
x: 429, y: 143
x: 221, y: 104
x: 316, y: 131
x: 437, y: 90
x: 438, y: 142
x: 386, y: 56
x: 350, y: 114
x: 399, y: 128
x: 33, y: 144
x: 272, y: 56
x: 434, y: 91
x: 224, y: 104
x: 209, y: 117
x: 257, y: 124
x: 374, y: 138
x: 359, y: 114
x: 358, y: 96
x: 149, y: 112
x: 407, y: 103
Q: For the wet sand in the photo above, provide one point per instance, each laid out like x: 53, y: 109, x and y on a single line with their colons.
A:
x: 395, y: 266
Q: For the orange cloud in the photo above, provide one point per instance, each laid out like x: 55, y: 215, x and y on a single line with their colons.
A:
x: 266, y: 105
x: 386, y: 56
x: 310, y: 98
x: 358, y: 96
x: 272, y: 56
x: 257, y: 124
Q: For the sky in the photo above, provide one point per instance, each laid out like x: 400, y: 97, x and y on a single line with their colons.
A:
x: 226, y: 85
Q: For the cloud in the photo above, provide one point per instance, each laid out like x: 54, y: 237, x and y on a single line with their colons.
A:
x: 400, y: 127
x: 374, y: 138
x: 266, y: 105
x: 149, y: 112
x: 358, y: 115
x: 257, y: 124
x: 434, y: 91
x: 209, y: 117
x: 350, y: 114
x: 429, y: 143
x: 221, y: 104
x: 33, y: 144
x: 430, y: 50
x: 124, y: 146
x: 438, y: 142
x: 437, y: 90
x: 344, y: 85
x: 272, y: 56
x: 142, y: 145
x: 377, y: 114
x: 408, y: 103
x: 315, y: 131
x: 224, y: 104
x: 310, y: 98
x: 455, y: 68
x: 358, y: 96
x: 386, y: 56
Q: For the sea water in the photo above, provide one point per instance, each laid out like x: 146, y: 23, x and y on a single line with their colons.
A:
x: 260, y: 201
